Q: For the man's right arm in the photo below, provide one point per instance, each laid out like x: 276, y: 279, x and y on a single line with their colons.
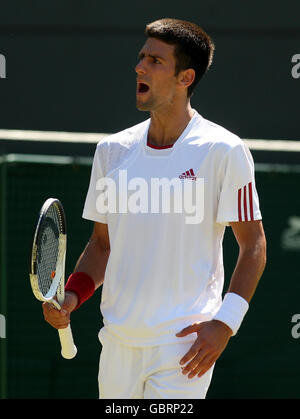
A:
x: 92, y: 261
x: 94, y: 258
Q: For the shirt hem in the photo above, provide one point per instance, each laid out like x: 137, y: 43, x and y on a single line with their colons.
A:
x: 104, y: 332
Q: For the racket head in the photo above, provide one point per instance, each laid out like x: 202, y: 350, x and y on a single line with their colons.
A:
x: 47, y: 261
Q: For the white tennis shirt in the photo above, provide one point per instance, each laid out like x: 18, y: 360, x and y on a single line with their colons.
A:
x: 166, y: 211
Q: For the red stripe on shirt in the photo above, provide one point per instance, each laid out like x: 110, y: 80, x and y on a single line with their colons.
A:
x: 251, y: 201
x: 240, y: 204
x: 245, y: 203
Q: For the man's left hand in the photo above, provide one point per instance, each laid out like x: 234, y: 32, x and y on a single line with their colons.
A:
x: 212, y: 339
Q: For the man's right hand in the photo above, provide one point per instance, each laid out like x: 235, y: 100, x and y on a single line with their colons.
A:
x: 60, y: 319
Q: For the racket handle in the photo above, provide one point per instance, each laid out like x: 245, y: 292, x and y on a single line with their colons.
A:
x: 68, y: 348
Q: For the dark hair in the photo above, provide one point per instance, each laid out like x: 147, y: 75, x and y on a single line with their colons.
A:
x: 193, y: 47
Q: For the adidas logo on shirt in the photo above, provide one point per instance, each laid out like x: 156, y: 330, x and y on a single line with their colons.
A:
x: 189, y: 174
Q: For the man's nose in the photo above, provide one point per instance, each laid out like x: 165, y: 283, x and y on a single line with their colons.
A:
x: 140, y: 67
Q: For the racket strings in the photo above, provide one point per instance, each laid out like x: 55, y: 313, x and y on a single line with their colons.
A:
x: 48, y: 249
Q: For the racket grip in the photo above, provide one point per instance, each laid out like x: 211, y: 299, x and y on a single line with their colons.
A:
x: 68, y: 348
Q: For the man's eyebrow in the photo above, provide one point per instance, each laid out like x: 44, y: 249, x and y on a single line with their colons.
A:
x: 143, y: 54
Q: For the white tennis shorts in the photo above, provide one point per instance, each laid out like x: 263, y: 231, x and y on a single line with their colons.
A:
x: 147, y: 372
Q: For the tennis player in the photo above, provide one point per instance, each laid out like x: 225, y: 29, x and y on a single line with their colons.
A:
x: 159, y: 256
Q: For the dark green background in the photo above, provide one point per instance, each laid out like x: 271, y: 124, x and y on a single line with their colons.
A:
x: 70, y: 64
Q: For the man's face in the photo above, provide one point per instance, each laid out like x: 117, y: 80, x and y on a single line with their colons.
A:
x: 156, y: 80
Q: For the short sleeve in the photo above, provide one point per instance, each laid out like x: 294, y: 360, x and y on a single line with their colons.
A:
x: 91, y: 209
x: 238, y: 199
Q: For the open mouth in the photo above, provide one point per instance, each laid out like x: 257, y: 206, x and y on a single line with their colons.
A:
x: 142, y: 88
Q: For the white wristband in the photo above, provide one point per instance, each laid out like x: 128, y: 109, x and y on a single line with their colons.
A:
x: 232, y: 311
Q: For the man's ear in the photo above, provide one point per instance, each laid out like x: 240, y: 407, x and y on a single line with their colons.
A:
x: 187, y: 77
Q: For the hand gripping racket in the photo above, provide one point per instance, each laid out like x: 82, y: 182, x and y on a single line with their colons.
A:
x: 47, y: 267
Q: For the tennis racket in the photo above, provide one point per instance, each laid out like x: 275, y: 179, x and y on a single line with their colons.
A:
x: 47, y: 267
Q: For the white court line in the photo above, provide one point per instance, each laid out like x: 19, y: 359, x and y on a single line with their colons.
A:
x: 92, y: 137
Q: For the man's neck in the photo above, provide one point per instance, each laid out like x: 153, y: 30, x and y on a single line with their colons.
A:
x: 167, y: 126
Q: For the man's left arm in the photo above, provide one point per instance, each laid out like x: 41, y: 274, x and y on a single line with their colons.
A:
x: 252, y: 258
x: 214, y: 335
